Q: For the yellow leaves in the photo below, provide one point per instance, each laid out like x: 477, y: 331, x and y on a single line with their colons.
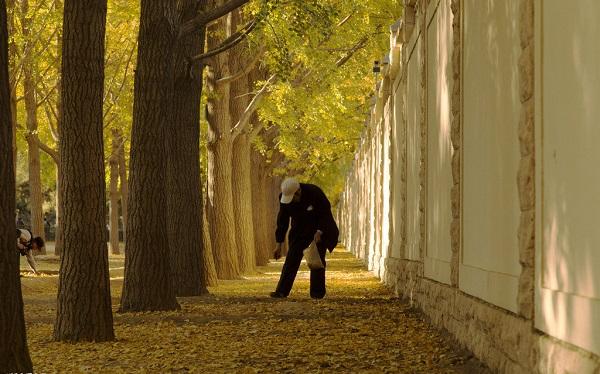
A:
x: 358, y: 327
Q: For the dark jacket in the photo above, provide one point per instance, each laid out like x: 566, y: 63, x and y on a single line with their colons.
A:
x: 311, y: 213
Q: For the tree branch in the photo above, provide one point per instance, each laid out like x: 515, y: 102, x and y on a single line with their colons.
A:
x: 228, y: 43
x: 251, y: 108
x: 346, y: 19
x: 120, y: 90
x: 43, y: 146
x: 49, y: 115
x: 359, y: 45
x: 244, y: 71
x: 46, y: 97
x: 201, y: 19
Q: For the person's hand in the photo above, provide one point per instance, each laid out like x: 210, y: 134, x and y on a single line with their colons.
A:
x: 277, y: 252
x: 317, y: 237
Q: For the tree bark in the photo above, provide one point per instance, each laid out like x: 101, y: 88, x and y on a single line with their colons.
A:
x: 264, y: 242
x: 209, y: 273
x: 243, y: 201
x: 84, y: 306
x: 12, y: 68
x: 184, y: 197
x: 29, y: 86
x: 273, y: 207
x: 241, y: 164
x: 220, y: 194
x: 113, y: 165
x: 14, y: 355
x: 60, y: 211
x: 123, y: 184
x: 60, y: 208
x: 148, y: 284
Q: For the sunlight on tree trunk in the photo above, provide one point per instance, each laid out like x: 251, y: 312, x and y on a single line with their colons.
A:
x: 209, y: 273
x: 264, y: 243
x: 220, y: 194
x: 241, y: 164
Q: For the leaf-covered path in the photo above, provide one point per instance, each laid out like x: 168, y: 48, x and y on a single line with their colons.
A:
x: 358, y: 327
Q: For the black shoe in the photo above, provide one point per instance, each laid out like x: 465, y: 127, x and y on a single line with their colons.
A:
x: 277, y: 295
x: 317, y: 297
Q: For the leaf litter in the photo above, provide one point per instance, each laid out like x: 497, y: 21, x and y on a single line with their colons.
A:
x: 358, y: 327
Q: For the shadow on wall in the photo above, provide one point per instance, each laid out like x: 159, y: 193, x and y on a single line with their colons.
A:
x: 570, y: 259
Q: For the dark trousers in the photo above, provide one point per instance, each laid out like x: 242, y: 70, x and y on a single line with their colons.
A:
x: 290, y: 269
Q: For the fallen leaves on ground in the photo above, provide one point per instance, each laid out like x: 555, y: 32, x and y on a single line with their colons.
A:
x: 358, y: 327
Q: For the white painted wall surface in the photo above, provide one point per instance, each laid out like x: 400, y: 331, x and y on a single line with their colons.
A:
x: 491, y: 107
x: 413, y: 145
x: 386, y: 186
x: 568, y: 153
x: 397, y: 184
x: 439, y: 147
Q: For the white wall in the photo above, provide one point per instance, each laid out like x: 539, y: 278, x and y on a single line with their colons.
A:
x: 491, y: 107
x: 386, y: 185
x: 439, y: 147
x: 413, y: 145
x: 397, y: 163
x: 568, y: 153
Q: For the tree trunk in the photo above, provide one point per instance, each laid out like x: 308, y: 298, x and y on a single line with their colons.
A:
x: 14, y: 355
x: 241, y: 164
x: 123, y: 184
x: 243, y: 202
x: 84, y: 306
x: 12, y: 68
x: 209, y: 273
x: 264, y: 242
x: 220, y: 194
x: 184, y: 197
x: 29, y: 86
x: 114, y: 194
x: 148, y: 284
x: 60, y: 209
x: 273, y: 205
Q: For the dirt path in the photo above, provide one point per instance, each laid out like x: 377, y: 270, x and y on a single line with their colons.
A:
x: 359, y: 327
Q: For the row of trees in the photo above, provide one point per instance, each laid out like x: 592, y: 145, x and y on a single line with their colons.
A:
x: 285, y: 90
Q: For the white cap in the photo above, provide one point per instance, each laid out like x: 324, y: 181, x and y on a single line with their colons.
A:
x: 289, y: 186
x: 25, y: 235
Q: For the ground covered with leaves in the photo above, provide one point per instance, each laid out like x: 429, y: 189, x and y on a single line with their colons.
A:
x: 358, y: 327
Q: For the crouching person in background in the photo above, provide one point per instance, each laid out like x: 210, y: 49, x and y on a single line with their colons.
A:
x: 26, y: 244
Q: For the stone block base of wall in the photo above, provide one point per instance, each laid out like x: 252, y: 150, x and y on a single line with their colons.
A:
x: 507, y: 343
